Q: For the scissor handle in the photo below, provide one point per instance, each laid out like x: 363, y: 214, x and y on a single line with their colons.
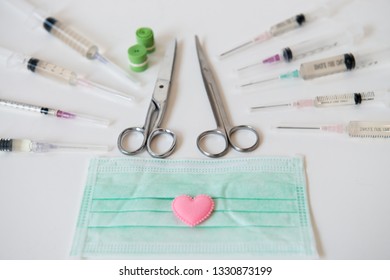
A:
x: 152, y: 137
x: 125, y: 133
x: 212, y: 133
x: 237, y: 146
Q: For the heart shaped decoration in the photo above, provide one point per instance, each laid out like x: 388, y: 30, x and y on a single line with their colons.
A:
x: 193, y: 211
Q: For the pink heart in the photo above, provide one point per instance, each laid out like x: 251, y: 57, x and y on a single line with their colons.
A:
x: 193, y: 211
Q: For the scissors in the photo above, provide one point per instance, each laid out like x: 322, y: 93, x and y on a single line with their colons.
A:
x: 224, y: 129
x: 151, y: 129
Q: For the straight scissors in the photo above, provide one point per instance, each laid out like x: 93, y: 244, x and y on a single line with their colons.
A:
x: 224, y: 129
x: 151, y: 129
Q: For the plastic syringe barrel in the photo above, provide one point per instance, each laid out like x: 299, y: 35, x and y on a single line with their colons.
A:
x: 299, y: 19
x: 287, y: 25
x: 70, y: 37
x: 58, y: 29
x: 50, y: 70
x: 368, y: 58
x: 342, y: 63
x: 327, y: 66
x: 322, y: 43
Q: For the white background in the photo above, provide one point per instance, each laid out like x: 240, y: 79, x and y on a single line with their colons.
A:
x: 348, y: 182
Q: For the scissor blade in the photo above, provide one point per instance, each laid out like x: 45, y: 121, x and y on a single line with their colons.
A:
x: 166, y: 69
x: 209, y: 80
x: 211, y: 87
x: 204, y: 64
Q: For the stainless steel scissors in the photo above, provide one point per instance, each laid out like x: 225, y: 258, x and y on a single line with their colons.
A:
x: 224, y: 129
x: 155, y: 114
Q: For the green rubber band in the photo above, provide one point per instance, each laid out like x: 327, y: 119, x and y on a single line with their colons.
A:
x: 145, y: 37
x: 138, y: 58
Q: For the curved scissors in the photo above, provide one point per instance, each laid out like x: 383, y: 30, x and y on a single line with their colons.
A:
x: 224, y: 129
x: 156, y: 111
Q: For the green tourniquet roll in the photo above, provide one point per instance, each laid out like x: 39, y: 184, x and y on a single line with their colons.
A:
x: 138, y: 58
x: 261, y: 209
x: 145, y: 37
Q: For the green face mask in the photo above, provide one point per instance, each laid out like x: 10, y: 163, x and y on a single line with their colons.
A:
x: 260, y: 209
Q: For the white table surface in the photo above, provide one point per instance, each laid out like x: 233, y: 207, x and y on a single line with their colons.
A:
x: 348, y: 179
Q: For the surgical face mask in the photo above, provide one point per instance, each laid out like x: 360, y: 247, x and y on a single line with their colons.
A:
x: 260, y: 209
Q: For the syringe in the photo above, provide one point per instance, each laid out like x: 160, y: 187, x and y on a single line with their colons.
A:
x: 53, y: 71
x: 325, y: 101
x: 54, y: 112
x: 310, y: 47
x: 70, y: 37
x: 26, y: 145
x: 363, y: 129
x: 328, y: 66
x: 288, y: 25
